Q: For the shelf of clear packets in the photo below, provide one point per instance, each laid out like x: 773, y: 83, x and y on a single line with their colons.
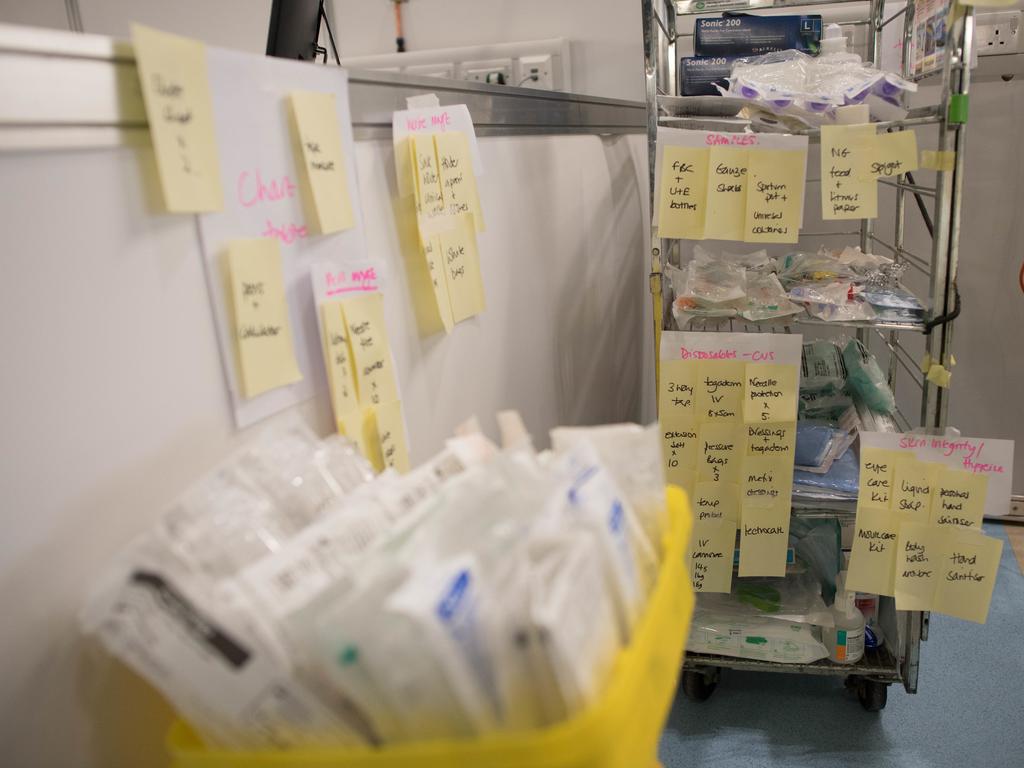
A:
x: 621, y: 729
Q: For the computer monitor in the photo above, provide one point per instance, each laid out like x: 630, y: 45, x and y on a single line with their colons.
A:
x: 294, y: 29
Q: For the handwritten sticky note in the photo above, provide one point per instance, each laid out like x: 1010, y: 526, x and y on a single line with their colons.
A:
x: 359, y: 426
x: 341, y: 378
x: 715, y: 501
x: 891, y: 154
x: 771, y: 439
x: 458, y: 181
x: 720, y: 389
x: 764, y: 538
x: 710, y: 556
x: 844, y: 193
x: 912, y: 485
x: 958, y: 498
x: 461, y: 261
x: 391, y: 436
x: 318, y: 134
x: 917, y: 566
x: 775, y: 195
x: 877, y: 466
x: 873, y: 556
x: 375, y: 376
x: 679, y: 444
x: 770, y: 393
x: 767, y: 482
x: 683, y: 190
x: 429, y: 201
x: 727, y: 193
x: 968, y: 564
x: 405, y: 168
x: 677, y: 383
x: 719, y: 452
x: 263, y: 336
x: 437, y: 273
x: 176, y: 92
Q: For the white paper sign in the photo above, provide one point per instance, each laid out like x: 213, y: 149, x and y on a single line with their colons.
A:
x: 454, y: 117
x: 780, y: 348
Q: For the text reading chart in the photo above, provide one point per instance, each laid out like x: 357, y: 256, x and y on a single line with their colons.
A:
x: 845, y: 194
x: 179, y: 109
x: 706, y: 187
x: 715, y: 391
x: 263, y: 338
x: 322, y: 160
x: 918, y: 533
x: 428, y: 121
x: 270, y: 195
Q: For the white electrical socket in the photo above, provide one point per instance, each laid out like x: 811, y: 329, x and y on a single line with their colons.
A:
x: 535, y: 72
x: 997, y: 33
x: 446, y: 71
x: 495, y: 71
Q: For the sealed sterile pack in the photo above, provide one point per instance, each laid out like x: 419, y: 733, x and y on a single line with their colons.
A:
x: 766, y: 298
x: 754, y: 638
x: 865, y: 378
x: 821, y: 367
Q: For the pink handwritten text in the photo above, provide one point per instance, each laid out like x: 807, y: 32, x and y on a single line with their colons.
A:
x: 253, y: 190
x: 700, y: 354
x: 439, y: 121
x: 731, y: 139
x: 287, y: 233
x: 347, y: 282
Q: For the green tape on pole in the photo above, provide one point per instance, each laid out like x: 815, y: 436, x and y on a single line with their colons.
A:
x: 958, y: 108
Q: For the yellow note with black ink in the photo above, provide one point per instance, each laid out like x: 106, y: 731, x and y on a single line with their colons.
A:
x: 844, y: 193
x: 341, y: 378
x: 461, y: 262
x: 683, y: 192
x: 262, y: 330
x: 968, y: 564
x: 767, y: 482
x: 917, y: 566
x: 775, y: 195
x: 720, y: 391
x: 764, y: 539
x: 958, y: 498
x: 912, y: 485
x: 429, y: 200
x: 678, y: 381
x: 176, y: 92
x: 710, y: 556
x: 394, y: 451
x: 873, y: 556
x: 458, y: 179
x: 432, y: 252
x: 891, y: 154
x: 720, y: 452
x: 727, y: 193
x: 770, y: 393
x: 679, y: 448
x: 712, y: 501
x: 375, y: 375
x: 324, y: 176
x: 771, y: 439
x: 877, y: 467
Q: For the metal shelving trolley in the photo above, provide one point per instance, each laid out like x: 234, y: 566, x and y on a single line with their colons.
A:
x: 921, y: 209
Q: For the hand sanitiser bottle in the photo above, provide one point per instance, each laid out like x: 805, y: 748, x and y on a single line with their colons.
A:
x: 845, y: 640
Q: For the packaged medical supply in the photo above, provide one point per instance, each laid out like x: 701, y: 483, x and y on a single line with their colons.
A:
x: 794, y: 598
x: 766, y: 298
x: 840, y: 482
x: 865, y: 379
x: 748, y: 35
x: 698, y: 75
x: 754, y: 638
x: 845, y: 639
x: 821, y: 367
x: 822, y: 405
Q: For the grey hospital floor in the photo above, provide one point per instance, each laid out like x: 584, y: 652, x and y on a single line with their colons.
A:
x: 968, y: 711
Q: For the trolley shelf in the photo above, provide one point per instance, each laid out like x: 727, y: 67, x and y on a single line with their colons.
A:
x: 786, y: 324
x: 877, y: 663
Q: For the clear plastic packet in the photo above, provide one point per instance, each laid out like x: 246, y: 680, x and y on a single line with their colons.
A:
x: 829, y: 406
x: 766, y: 298
x: 802, y: 267
x: 758, y: 259
x: 754, y: 638
x: 716, y: 284
x: 794, y: 598
x: 837, y: 301
x: 821, y: 367
x: 865, y: 379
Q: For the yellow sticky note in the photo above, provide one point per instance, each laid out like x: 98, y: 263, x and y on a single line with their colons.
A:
x: 719, y: 452
x: 359, y: 426
x: 391, y: 436
x: 938, y: 375
x: 770, y: 393
x: 873, y: 557
x: 775, y: 195
x: 262, y: 330
x: 968, y: 564
x: 988, y: 3
x: 938, y: 161
x: 323, y: 175
x: 845, y: 194
x: 720, y: 387
x: 917, y: 566
x: 683, y: 192
x: 764, y: 539
x: 710, y: 557
x: 405, y: 168
x: 912, y: 485
x: 711, y: 502
x: 677, y: 382
x: 438, y: 281
x: 767, y: 482
x: 341, y: 378
x: 727, y: 193
x: 176, y: 92
x: 429, y: 201
x: 771, y: 439
x: 375, y: 375
x: 461, y: 261
x: 876, y: 476
x: 679, y: 438
x: 891, y: 154
x: 458, y: 179
x: 958, y: 498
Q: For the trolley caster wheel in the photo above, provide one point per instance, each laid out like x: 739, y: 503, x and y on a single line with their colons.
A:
x: 698, y: 686
x: 871, y: 695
